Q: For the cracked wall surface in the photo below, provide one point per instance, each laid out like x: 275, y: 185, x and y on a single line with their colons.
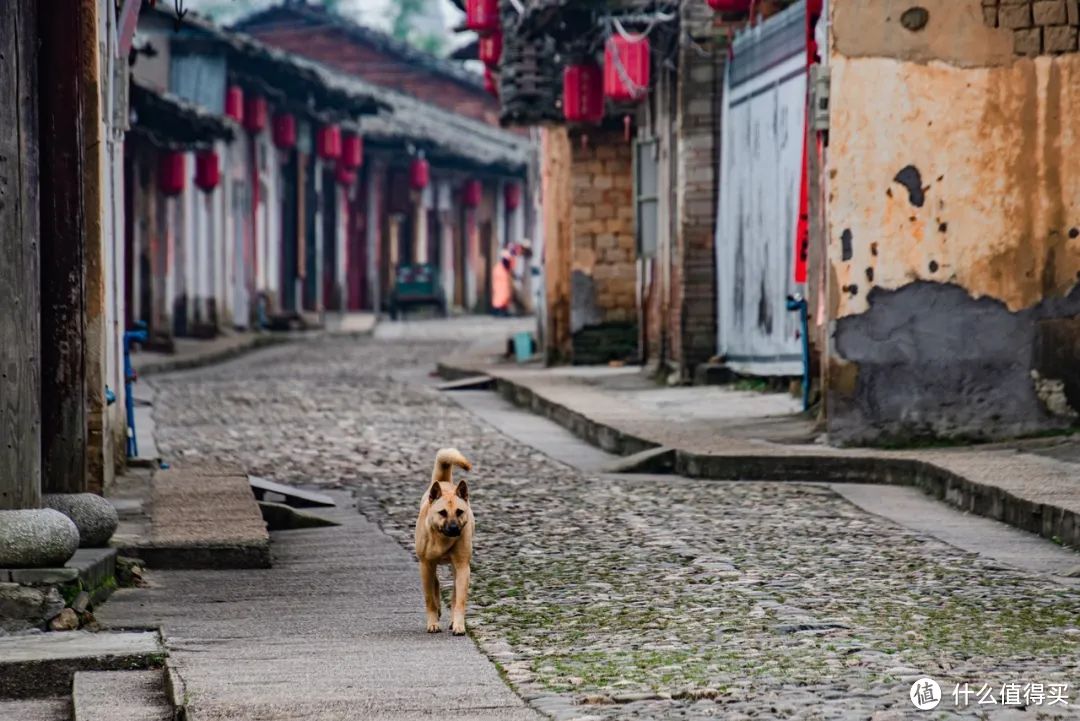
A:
x: 954, y: 227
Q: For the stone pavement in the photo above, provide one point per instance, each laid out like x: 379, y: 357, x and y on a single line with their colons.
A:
x: 598, y: 597
x: 729, y: 434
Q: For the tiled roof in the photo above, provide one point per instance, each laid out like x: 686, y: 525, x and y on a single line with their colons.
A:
x: 292, y: 12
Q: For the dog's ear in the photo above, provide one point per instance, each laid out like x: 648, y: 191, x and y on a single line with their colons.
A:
x: 463, y: 491
x: 435, y: 492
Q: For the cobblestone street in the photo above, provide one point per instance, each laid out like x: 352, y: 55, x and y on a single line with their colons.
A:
x: 640, y: 597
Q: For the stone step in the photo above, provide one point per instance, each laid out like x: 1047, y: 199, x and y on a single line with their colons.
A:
x: 120, y: 696
x: 42, y: 665
x: 469, y: 383
x: 198, y: 517
x: 38, y: 709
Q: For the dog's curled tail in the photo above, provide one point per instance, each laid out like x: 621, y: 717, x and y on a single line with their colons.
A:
x: 445, y: 460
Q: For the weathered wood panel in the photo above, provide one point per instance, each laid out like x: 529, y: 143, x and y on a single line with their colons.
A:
x: 63, y: 234
x: 763, y: 128
x: 20, y: 413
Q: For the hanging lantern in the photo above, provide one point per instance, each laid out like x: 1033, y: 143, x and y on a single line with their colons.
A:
x: 482, y: 16
x: 328, y: 142
x: 419, y: 174
x: 344, y: 175
x: 207, y: 170
x: 234, y: 103
x: 512, y: 195
x: 583, y: 93
x: 471, y: 193
x: 626, y: 68
x: 255, y: 114
x: 490, y: 85
x: 171, y: 172
x: 285, y: 131
x: 490, y: 48
x: 352, y: 151
x: 730, y: 6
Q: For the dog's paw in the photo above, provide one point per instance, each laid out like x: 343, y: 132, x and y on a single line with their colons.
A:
x: 458, y: 628
x: 433, y: 627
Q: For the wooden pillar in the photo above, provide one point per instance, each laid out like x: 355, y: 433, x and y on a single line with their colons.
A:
x: 20, y: 410
x: 556, y: 183
x: 63, y: 232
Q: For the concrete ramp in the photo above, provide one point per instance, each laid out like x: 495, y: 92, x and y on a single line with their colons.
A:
x: 295, y: 497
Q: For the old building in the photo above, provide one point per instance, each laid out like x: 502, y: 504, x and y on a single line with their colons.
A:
x: 953, y: 249
x: 61, y: 228
x: 637, y: 264
x: 476, y: 195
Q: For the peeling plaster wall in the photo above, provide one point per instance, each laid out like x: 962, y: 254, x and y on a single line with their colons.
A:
x: 954, y: 227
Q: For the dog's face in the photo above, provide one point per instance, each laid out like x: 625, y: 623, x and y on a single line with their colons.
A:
x: 449, y: 508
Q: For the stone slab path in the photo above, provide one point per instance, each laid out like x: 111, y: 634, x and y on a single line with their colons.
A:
x: 333, y: 632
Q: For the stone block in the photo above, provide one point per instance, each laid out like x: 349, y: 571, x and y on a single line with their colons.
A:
x: 1028, y: 42
x: 36, y: 538
x: 1049, y: 12
x: 990, y: 17
x: 1060, y: 39
x: 1015, y: 17
x: 94, y: 516
x: 44, y: 576
x: 26, y: 607
x: 1072, y: 9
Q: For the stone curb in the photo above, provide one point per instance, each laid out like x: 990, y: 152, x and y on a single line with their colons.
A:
x: 255, y: 342
x: 1049, y: 521
x: 198, y: 361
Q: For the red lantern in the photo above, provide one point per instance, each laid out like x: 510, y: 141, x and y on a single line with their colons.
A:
x: 255, y: 114
x: 490, y: 48
x: 730, y: 6
x: 328, y: 142
x: 583, y: 93
x: 171, y: 172
x: 626, y: 68
x: 352, y: 151
x: 490, y: 85
x: 207, y: 170
x: 234, y: 103
x: 419, y: 174
x: 512, y: 196
x: 345, y: 176
x: 471, y: 193
x: 285, y: 131
x: 482, y: 16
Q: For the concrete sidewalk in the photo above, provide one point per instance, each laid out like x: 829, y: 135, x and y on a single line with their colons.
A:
x: 333, y: 632
x: 730, y: 435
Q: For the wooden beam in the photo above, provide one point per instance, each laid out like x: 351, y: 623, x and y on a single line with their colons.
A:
x: 63, y: 238
x: 20, y: 412
x: 556, y: 188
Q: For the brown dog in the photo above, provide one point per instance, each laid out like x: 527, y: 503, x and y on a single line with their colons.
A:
x: 444, y: 532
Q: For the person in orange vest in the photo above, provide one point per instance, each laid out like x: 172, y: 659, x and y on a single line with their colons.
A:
x: 502, y: 284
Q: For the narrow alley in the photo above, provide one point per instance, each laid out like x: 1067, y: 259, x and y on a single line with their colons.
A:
x: 596, y: 596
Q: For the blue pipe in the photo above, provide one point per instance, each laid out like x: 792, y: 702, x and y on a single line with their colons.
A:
x: 797, y: 302
x: 139, y: 335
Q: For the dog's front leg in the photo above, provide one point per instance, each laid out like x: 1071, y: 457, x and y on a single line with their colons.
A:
x: 461, y: 596
x: 432, y: 602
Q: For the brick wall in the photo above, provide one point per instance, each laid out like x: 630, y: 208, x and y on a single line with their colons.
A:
x: 337, y: 49
x: 604, y: 270
x: 693, y: 306
x: 1038, y: 26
